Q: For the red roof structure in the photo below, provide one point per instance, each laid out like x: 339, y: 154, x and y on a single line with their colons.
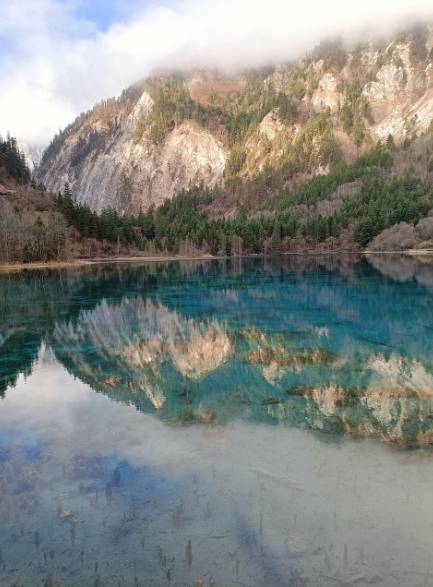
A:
x: 5, y: 191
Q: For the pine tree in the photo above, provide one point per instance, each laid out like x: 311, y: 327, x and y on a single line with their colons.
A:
x: 13, y: 161
x: 276, y: 237
x: 390, y: 143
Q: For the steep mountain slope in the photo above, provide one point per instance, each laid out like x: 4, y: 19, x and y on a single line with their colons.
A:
x: 268, y: 130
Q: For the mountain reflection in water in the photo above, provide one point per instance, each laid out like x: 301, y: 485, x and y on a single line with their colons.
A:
x: 218, y: 448
x: 140, y: 352
x: 322, y: 343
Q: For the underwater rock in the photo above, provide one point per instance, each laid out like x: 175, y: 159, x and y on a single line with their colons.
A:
x: 197, y: 417
x: 296, y: 545
x: 188, y: 553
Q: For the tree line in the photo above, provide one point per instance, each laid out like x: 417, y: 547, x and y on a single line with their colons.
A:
x: 12, y: 161
x: 182, y: 224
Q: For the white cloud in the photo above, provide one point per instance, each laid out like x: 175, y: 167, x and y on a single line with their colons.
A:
x: 60, y: 65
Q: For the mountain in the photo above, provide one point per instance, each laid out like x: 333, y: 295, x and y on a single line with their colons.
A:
x: 32, y: 153
x: 294, y: 120
x: 326, y: 152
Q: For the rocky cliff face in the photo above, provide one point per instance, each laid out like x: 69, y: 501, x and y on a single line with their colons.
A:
x: 109, y: 166
x: 297, y: 120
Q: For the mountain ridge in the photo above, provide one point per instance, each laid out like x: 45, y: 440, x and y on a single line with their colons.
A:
x: 292, y: 121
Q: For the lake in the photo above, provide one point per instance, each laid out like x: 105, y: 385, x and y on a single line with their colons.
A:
x: 252, y: 422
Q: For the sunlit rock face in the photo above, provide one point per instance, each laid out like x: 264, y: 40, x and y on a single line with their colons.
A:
x: 140, y: 347
x: 327, y: 94
x: 110, y: 161
x: 400, y: 93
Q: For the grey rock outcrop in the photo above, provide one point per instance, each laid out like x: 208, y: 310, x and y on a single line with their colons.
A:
x: 126, y: 171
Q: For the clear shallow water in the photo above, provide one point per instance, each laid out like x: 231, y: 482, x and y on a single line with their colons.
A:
x: 249, y: 423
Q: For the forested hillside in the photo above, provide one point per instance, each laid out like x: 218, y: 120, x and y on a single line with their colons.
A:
x: 344, y: 210
x: 32, y: 228
x: 332, y: 152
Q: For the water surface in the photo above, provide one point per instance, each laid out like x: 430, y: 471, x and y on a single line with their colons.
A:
x: 248, y: 422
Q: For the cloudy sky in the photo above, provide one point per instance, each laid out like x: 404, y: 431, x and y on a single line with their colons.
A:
x: 58, y: 57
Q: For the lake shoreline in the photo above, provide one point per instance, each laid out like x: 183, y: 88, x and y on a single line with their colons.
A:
x: 10, y: 267
x: 73, y: 263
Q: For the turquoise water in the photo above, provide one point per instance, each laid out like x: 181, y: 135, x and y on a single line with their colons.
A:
x: 247, y: 422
